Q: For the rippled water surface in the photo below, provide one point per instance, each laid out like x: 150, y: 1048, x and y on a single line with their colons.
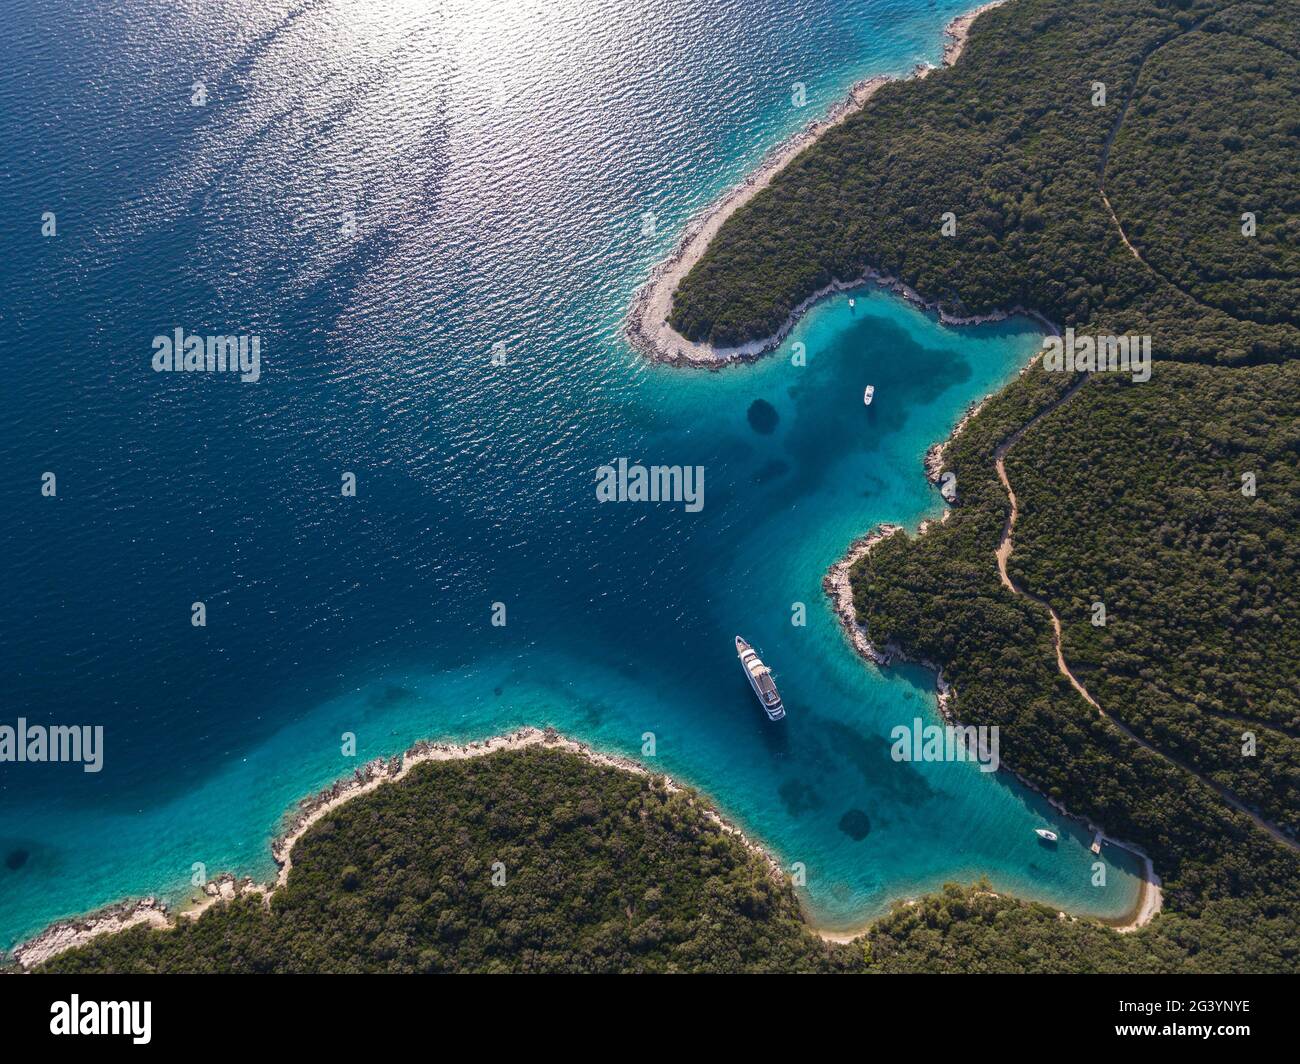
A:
x: 499, y: 159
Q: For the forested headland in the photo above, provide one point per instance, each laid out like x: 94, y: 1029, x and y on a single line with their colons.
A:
x: 539, y: 860
x: 1121, y: 167
x: 1168, y: 209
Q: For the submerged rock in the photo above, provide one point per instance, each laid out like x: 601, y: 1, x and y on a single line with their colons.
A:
x: 762, y: 417
x: 855, y: 824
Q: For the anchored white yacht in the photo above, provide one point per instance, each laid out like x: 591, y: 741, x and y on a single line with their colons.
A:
x: 760, y: 679
x: 868, y: 395
x: 1045, y: 835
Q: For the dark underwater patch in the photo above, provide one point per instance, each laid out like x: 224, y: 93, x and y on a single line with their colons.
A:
x: 799, y: 797
x: 870, y: 756
x: 15, y: 859
x: 391, y: 695
x: 855, y: 824
x: 771, y: 471
x: 762, y: 417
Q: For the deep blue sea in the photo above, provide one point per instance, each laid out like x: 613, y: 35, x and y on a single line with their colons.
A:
x: 499, y: 159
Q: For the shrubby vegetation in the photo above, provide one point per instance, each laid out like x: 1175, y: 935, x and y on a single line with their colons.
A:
x: 1010, y: 142
x: 1213, y: 115
x: 605, y: 872
x: 1130, y: 494
x: 1201, y: 584
x: 939, y: 596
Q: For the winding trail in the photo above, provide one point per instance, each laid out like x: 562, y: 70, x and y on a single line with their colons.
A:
x: 1110, y: 141
x: 1004, y: 555
x: 1004, y: 546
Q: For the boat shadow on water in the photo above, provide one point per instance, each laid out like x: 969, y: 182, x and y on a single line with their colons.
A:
x: 775, y: 736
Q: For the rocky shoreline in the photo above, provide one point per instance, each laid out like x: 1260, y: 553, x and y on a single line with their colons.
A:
x: 647, y: 326
x: 836, y: 585
x: 936, y: 455
x: 387, y: 770
x: 68, y: 934
x: 958, y: 30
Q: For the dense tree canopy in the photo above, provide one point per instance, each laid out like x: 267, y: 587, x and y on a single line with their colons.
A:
x: 1172, y: 502
x: 1200, y: 124
x: 1123, y: 217
x: 596, y: 869
x: 605, y: 871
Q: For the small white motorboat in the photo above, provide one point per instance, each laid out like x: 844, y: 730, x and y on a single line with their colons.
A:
x: 868, y: 395
x: 852, y: 302
x: 1045, y: 835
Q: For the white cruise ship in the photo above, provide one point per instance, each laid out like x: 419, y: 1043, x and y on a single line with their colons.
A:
x: 760, y: 679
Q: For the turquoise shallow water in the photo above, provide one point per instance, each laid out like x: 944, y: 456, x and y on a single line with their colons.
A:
x: 500, y: 161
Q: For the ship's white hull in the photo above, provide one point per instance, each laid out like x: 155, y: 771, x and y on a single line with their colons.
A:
x: 760, y: 679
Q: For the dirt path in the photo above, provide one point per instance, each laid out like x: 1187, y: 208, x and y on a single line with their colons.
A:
x: 1105, y: 160
x: 1124, y: 237
x: 1004, y: 555
x: 1004, y: 547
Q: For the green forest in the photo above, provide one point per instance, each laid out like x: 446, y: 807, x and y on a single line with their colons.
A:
x: 604, y: 871
x: 1168, y: 209
x: 1200, y: 124
x: 1165, y: 206
x: 598, y: 870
